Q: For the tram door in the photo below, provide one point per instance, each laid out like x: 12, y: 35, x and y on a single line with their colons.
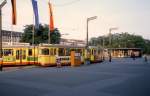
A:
x: 20, y: 56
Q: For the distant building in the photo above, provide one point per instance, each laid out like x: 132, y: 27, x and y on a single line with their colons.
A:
x: 125, y: 52
x: 7, y: 35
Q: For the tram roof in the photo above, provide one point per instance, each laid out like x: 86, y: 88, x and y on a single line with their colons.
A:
x: 61, y: 45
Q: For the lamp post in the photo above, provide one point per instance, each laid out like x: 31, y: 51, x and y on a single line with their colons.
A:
x: 87, y: 37
x: 110, y: 30
x: 1, y: 6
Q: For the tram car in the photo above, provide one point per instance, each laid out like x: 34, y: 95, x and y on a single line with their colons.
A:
x: 14, y: 55
x: 49, y: 53
x: 96, y: 54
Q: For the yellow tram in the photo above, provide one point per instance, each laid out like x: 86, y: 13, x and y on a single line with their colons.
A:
x: 19, y: 54
x: 46, y: 54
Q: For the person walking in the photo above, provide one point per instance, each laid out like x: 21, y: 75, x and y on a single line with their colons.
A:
x: 145, y: 58
x: 133, y: 55
x: 110, y: 57
x: 58, y: 62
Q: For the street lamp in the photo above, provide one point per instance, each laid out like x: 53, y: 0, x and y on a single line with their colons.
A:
x: 89, y: 19
x: 110, y: 30
x: 1, y: 6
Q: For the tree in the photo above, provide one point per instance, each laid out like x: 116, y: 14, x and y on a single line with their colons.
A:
x: 40, y: 35
x: 55, y: 36
x: 122, y: 40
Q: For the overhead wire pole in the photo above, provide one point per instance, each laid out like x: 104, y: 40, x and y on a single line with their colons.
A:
x: 1, y: 60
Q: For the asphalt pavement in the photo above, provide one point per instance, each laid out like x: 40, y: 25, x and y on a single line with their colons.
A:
x: 121, y: 77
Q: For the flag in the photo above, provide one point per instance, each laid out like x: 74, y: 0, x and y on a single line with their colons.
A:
x: 36, y: 15
x: 51, y: 22
x: 14, y: 15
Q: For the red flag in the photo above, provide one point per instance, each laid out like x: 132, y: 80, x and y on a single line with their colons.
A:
x: 51, y: 23
x: 14, y: 15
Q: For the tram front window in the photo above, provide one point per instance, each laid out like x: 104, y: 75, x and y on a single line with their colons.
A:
x: 45, y: 51
x: 8, y: 52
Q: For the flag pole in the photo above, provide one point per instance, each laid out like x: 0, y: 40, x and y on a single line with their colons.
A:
x: 33, y: 31
x: 33, y: 38
x: 11, y: 39
x: 51, y: 22
x: 1, y: 46
x: 49, y: 32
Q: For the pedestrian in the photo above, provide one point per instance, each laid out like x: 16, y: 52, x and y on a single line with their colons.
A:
x: 58, y: 62
x: 1, y: 67
x: 109, y: 57
x: 145, y: 58
x: 133, y: 55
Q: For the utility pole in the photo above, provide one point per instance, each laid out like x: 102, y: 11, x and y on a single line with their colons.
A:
x: 1, y: 59
x: 110, y: 35
x: 87, y: 34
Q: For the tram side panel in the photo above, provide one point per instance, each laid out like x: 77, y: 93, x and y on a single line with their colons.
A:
x: 32, y: 56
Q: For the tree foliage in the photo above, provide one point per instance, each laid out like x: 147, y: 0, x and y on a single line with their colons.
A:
x: 40, y: 35
x: 122, y: 40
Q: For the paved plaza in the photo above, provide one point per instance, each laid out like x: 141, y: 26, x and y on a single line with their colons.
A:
x: 121, y: 77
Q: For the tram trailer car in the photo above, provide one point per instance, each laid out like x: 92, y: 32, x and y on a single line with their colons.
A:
x: 49, y: 53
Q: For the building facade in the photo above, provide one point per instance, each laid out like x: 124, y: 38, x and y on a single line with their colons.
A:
x: 11, y: 36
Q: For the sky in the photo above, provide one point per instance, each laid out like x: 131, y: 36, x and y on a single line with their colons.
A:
x: 132, y: 16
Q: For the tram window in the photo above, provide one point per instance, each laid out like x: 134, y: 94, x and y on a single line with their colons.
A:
x: 23, y: 54
x: 80, y: 51
x: 67, y: 52
x: 17, y: 54
x: 45, y: 51
x: 54, y: 51
x: 72, y: 50
x: 30, y: 52
x: 8, y: 52
x: 94, y: 52
x: 91, y: 51
x: 83, y: 52
x: 61, y: 52
x: 51, y: 51
x: 99, y: 51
